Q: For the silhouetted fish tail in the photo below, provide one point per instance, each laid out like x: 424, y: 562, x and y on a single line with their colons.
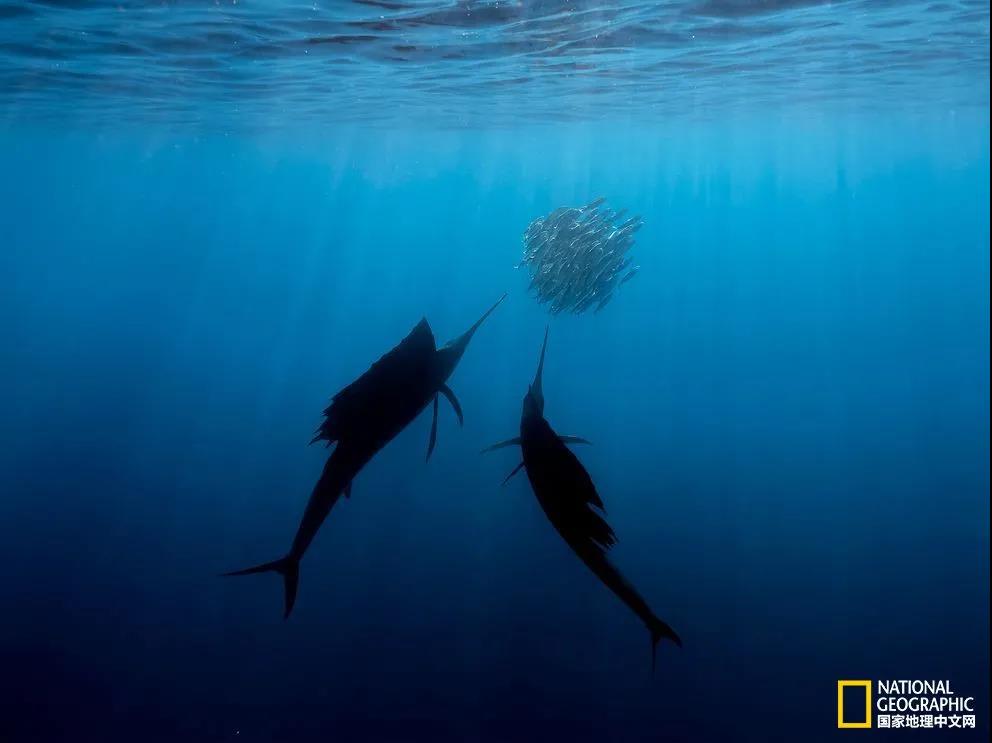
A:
x: 616, y: 582
x: 334, y: 481
x: 289, y: 568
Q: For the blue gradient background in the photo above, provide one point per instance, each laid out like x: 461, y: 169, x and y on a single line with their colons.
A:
x: 789, y: 407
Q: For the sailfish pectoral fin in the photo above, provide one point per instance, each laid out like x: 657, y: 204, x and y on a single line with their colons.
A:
x: 574, y: 440
x: 515, y: 441
x: 515, y: 471
x: 446, y: 391
x: 433, y: 439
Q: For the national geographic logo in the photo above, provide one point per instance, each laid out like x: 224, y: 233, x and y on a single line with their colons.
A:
x: 903, y: 704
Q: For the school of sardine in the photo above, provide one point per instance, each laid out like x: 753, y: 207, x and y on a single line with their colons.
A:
x: 577, y: 256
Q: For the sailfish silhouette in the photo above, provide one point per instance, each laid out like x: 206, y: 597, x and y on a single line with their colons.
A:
x: 567, y: 495
x: 364, y: 417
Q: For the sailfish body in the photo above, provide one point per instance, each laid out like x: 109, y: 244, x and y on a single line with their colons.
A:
x: 365, y: 416
x: 568, y: 497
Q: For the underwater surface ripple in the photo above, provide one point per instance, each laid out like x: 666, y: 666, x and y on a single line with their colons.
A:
x: 469, y: 62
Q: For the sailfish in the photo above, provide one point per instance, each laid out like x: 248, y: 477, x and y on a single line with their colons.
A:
x: 569, y: 499
x: 365, y: 416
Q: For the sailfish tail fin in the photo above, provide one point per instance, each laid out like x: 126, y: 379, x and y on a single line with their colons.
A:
x: 289, y: 568
x: 661, y: 631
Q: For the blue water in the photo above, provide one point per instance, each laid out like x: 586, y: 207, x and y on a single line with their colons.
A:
x: 483, y: 62
x: 213, y: 217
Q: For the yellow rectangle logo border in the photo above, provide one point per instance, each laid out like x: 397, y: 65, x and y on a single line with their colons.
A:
x: 841, y: 685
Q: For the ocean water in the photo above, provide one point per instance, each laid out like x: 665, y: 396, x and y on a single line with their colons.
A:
x: 213, y: 216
